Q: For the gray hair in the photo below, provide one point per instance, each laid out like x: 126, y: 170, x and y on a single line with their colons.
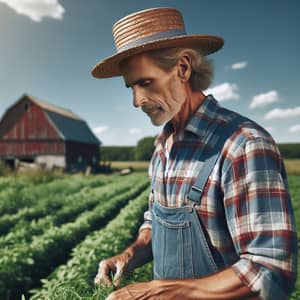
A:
x: 202, y: 68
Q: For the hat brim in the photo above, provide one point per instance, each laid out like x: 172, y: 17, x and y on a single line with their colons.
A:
x: 109, y: 67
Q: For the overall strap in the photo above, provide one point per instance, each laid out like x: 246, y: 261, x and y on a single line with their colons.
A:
x: 211, y: 156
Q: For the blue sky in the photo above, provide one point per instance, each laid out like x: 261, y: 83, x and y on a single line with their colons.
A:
x: 49, y: 47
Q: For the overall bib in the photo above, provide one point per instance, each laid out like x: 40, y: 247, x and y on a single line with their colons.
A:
x: 179, y: 244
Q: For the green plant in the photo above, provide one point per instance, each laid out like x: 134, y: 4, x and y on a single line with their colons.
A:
x: 21, y: 268
x: 76, y: 277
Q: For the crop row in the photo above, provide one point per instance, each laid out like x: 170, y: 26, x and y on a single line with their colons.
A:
x: 22, y: 268
x: 24, y: 231
x: 76, y: 277
x: 63, y: 210
x: 24, y: 193
x: 49, y: 202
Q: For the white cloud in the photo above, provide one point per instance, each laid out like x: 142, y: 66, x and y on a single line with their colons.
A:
x: 224, y: 91
x: 295, y: 128
x: 239, y: 65
x: 100, y: 129
x: 134, y: 131
x: 278, y: 113
x: 264, y: 99
x: 36, y: 10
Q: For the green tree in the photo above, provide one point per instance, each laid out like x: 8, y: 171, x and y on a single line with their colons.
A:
x: 290, y: 150
x: 117, y: 153
x: 144, y: 148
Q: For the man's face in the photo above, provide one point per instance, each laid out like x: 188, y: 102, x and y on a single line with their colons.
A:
x: 159, y: 93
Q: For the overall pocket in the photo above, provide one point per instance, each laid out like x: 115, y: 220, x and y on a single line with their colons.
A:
x: 172, y: 249
x: 205, y: 264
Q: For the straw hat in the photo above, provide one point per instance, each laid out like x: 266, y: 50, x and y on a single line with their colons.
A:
x: 152, y: 29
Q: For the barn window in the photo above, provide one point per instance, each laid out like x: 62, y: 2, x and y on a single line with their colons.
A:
x: 26, y: 106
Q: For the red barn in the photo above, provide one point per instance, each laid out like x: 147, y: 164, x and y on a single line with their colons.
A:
x: 34, y: 131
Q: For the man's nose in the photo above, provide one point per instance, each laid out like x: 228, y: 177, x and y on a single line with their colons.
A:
x: 137, y: 98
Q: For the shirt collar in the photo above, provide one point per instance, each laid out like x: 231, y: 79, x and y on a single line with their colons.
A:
x: 166, y: 131
x: 203, y: 117
x: 198, y: 123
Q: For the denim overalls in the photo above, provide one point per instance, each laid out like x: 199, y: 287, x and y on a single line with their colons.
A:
x: 180, y: 247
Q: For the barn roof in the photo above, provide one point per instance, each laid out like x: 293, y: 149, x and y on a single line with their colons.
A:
x: 50, y: 107
x: 69, y: 125
x: 72, y: 129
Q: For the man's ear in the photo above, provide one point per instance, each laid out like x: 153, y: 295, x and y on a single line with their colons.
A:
x: 184, y: 68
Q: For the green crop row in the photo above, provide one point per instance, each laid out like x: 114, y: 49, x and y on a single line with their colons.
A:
x: 24, y: 231
x: 8, y: 181
x: 69, y: 207
x: 24, y: 193
x: 22, y: 268
x: 76, y: 277
x: 51, y: 199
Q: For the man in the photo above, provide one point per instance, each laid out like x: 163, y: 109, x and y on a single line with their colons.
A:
x: 220, y: 223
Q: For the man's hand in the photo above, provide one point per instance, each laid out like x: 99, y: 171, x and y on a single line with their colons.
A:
x: 135, y: 255
x: 117, y: 265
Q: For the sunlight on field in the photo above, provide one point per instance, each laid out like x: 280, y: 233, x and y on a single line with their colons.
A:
x: 136, y: 165
x: 292, y: 166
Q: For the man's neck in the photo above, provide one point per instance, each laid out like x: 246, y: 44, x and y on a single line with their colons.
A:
x: 193, y: 101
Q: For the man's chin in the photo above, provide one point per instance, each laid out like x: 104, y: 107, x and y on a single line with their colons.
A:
x: 157, y: 122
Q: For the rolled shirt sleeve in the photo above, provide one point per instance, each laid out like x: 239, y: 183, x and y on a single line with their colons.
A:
x: 148, y: 214
x: 260, y: 219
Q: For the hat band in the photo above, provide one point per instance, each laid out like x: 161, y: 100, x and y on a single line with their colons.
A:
x: 152, y: 38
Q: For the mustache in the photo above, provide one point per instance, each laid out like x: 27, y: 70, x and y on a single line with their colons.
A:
x: 150, y: 108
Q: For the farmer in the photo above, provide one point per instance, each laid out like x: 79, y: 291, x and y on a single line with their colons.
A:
x: 220, y: 223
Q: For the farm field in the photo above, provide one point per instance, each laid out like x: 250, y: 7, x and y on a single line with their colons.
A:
x: 55, y: 230
x: 292, y: 165
x: 136, y: 165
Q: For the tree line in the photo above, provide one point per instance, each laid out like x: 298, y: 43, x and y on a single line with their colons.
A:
x: 142, y: 151
x: 289, y: 151
x: 145, y: 147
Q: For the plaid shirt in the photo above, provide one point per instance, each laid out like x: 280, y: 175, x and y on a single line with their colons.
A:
x: 245, y: 209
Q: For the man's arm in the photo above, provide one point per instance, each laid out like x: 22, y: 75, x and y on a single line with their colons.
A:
x: 260, y: 217
x: 137, y: 254
x: 224, y: 285
x: 140, y: 252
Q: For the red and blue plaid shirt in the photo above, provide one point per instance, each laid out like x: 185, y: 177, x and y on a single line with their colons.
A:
x: 245, y: 208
